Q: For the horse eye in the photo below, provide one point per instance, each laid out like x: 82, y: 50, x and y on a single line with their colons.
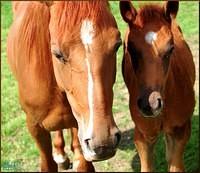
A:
x: 117, y: 45
x: 169, y: 52
x: 59, y: 55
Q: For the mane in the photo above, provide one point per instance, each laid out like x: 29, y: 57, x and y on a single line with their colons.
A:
x: 149, y: 13
x: 70, y: 14
x: 31, y: 37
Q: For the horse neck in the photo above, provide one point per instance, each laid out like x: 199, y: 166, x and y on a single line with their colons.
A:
x: 32, y: 40
x: 182, y: 60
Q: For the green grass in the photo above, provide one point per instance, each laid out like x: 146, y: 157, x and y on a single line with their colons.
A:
x: 18, y: 150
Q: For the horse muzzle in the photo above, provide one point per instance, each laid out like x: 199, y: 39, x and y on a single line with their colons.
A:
x: 98, y: 150
x: 151, y: 104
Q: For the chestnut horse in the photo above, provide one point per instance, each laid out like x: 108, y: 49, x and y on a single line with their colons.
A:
x: 63, y: 55
x: 159, y: 72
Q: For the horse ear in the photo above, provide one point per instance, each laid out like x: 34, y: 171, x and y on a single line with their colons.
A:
x: 48, y: 3
x: 128, y: 12
x: 171, y: 9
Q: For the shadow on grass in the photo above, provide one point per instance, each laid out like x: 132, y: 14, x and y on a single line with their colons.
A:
x: 191, y: 155
x: 127, y: 140
x: 128, y: 145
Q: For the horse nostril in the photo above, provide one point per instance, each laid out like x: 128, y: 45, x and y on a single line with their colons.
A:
x: 117, y: 138
x: 139, y: 103
x: 159, y: 103
x: 87, y: 143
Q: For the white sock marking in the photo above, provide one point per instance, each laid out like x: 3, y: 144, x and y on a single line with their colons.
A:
x: 75, y: 165
x: 150, y: 37
x: 59, y: 158
x: 87, y: 34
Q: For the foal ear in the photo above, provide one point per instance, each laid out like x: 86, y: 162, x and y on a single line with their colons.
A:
x: 171, y: 9
x: 128, y: 12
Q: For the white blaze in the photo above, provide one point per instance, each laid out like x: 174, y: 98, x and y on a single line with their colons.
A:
x: 87, y: 34
x: 150, y: 37
x: 90, y: 100
x: 59, y: 158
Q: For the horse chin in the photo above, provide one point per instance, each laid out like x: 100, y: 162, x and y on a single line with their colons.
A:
x: 91, y: 156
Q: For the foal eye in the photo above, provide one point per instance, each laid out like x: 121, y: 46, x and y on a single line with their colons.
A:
x: 59, y: 55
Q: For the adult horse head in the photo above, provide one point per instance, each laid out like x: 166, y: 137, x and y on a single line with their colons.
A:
x: 84, y: 42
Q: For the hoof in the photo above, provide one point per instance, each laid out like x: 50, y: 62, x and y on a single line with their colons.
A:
x: 63, y: 162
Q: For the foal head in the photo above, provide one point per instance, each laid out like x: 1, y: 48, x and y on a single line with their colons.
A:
x: 84, y: 43
x: 150, y: 45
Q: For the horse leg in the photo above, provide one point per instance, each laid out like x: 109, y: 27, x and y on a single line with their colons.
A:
x: 79, y: 163
x: 175, y: 145
x: 145, y: 151
x: 59, y: 154
x: 43, y: 141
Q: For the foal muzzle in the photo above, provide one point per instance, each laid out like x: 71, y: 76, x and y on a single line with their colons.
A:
x: 151, y: 104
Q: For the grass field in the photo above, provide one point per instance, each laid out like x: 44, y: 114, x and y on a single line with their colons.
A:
x: 18, y: 150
